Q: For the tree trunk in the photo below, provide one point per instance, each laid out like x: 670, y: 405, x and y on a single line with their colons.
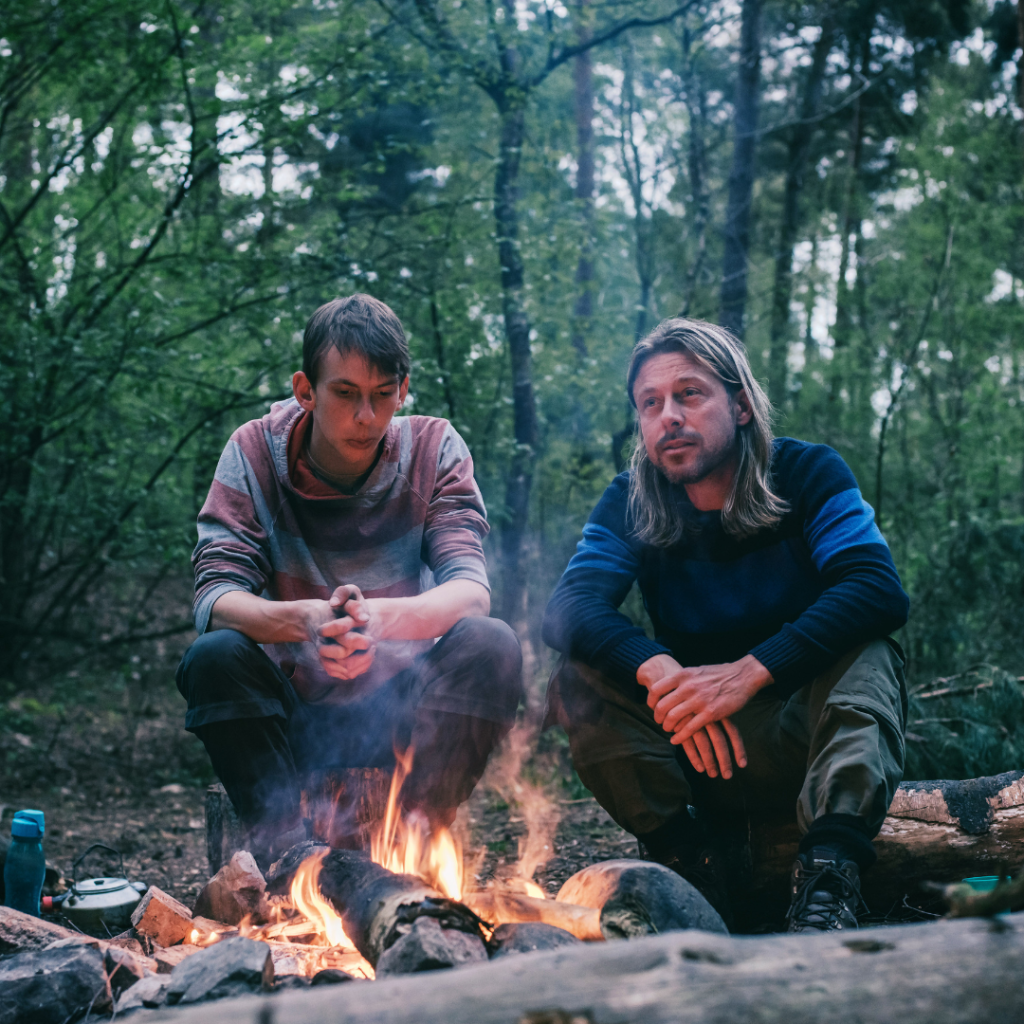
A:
x: 956, y: 972
x: 583, y: 80
x: 695, y: 97
x: 796, y: 166
x: 851, y: 206
x: 517, y: 333
x: 741, y: 177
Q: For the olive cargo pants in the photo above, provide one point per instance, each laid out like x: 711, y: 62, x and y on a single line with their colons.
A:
x: 834, y: 749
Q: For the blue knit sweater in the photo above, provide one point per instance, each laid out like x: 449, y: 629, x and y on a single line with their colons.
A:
x: 796, y: 597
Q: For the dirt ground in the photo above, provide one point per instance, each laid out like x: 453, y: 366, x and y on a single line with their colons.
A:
x: 116, y: 767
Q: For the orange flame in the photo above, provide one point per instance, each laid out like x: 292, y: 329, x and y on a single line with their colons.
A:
x: 305, y: 894
x: 405, y: 843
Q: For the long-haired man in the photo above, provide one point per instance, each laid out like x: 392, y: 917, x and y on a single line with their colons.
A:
x: 771, y: 682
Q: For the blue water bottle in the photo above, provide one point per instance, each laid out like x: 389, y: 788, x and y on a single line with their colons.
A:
x: 25, y: 869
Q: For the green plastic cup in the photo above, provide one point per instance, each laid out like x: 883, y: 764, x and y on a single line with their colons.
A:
x: 986, y: 883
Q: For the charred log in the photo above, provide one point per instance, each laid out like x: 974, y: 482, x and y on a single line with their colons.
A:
x: 379, y: 907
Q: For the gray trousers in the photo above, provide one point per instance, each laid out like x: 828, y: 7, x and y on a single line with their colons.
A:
x: 834, y: 748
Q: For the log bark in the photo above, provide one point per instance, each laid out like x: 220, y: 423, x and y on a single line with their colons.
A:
x: 379, y: 907
x: 938, y: 831
x: 951, y: 972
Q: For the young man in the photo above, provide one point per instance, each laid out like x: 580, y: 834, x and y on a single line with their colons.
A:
x: 772, y: 594
x: 336, y: 545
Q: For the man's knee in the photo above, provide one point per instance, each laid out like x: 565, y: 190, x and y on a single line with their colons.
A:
x: 871, y: 679
x: 492, y: 649
x: 224, y: 666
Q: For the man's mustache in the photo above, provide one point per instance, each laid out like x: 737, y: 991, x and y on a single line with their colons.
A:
x: 692, y: 436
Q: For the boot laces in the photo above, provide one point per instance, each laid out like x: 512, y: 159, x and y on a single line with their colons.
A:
x: 824, y: 893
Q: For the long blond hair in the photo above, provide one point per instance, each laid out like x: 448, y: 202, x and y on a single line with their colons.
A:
x: 752, y: 505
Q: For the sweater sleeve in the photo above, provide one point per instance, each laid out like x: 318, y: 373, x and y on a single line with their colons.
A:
x: 862, y: 598
x: 582, y: 618
x: 456, y: 521
x: 233, y: 552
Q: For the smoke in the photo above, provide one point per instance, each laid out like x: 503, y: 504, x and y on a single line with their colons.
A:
x: 540, y: 812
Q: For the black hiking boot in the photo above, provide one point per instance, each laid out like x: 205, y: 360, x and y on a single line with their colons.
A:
x: 705, y: 871
x: 825, y: 892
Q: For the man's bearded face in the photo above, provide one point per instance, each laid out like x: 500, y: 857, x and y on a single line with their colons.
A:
x: 688, y: 418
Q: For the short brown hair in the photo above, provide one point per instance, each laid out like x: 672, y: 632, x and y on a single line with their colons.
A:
x: 359, y: 323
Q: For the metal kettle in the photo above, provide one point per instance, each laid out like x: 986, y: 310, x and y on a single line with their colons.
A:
x: 99, y: 904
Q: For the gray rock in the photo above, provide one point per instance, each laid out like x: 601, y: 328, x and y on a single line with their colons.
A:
x: 331, y: 976
x: 429, y: 947
x: 150, y: 992
x: 232, y: 967
x: 528, y: 937
x: 51, y: 986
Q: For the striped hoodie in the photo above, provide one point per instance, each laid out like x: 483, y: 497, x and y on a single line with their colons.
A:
x: 270, y: 527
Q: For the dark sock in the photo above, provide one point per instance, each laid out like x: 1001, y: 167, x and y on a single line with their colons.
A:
x: 252, y: 759
x: 845, y: 835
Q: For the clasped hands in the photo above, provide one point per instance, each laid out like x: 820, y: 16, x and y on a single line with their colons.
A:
x: 694, y: 705
x: 344, y: 633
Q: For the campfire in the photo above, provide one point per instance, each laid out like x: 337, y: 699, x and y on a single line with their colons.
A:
x: 306, y: 930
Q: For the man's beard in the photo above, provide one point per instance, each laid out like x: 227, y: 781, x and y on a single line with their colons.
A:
x: 704, y: 458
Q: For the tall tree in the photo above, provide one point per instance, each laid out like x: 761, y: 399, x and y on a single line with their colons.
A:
x: 797, y: 151
x: 583, y: 107
x: 743, y: 173
x: 507, y: 79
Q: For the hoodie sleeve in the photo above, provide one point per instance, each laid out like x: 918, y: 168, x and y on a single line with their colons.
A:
x: 456, y: 520
x: 233, y: 552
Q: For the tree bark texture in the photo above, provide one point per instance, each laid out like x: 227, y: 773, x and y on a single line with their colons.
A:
x: 583, y: 94
x: 741, y: 176
x: 517, y: 333
x: 695, y: 96
x: 952, y: 972
x: 796, y: 167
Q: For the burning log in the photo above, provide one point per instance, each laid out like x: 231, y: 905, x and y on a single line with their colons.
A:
x: 512, y: 908
x: 379, y: 907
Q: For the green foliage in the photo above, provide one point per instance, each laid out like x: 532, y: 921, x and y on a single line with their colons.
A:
x: 965, y: 726
x: 182, y: 184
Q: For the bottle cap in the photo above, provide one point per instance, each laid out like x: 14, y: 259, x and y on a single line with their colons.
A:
x: 25, y: 828
x: 37, y: 816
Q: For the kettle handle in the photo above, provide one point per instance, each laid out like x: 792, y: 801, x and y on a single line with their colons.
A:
x: 95, y: 846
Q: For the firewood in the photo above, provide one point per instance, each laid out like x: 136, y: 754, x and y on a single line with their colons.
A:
x: 511, y: 908
x: 20, y: 931
x: 950, y: 972
x: 237, y: 891
x: 378, y: 907
x: 162, y: 918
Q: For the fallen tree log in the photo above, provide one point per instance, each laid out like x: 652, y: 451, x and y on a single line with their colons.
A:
x: 938, y: 831
x: 949, y: 972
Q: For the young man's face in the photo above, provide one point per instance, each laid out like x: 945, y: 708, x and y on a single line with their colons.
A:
x: 688, y: 419
x: 352, y: 404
